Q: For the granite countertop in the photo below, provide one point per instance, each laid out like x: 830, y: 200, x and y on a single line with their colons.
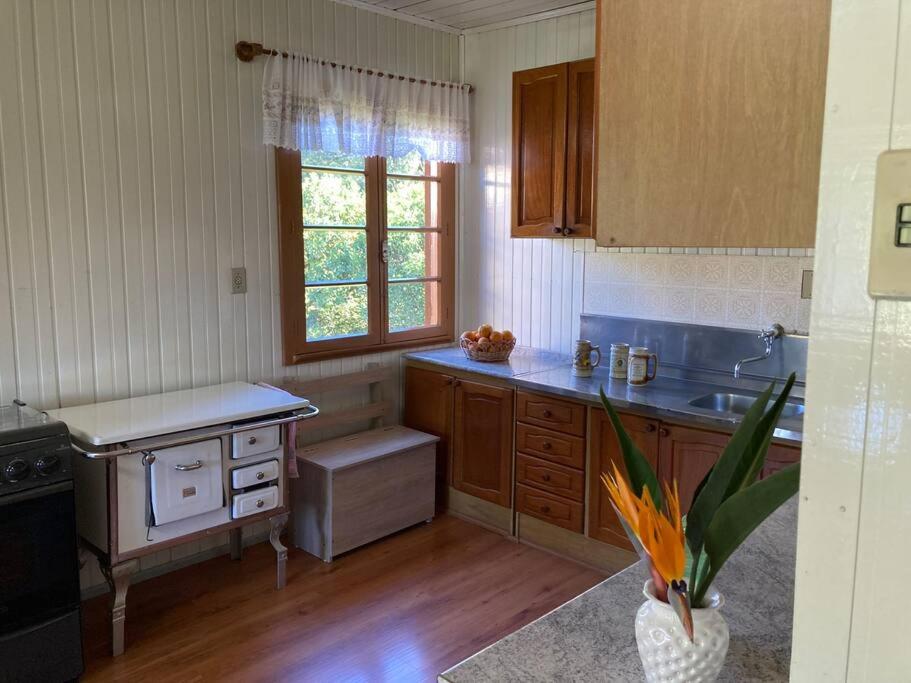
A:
x: 665, y: 397
x: 591, y: 637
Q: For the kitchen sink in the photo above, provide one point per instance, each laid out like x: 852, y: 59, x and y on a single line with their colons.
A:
x: 738, y: 404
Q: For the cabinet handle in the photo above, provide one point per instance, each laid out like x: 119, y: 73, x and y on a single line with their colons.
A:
x: 260, y: 503
x: 260, y: 475
x: 664, y: 431
x: 456, y: 382
x: 188, y: 468
x: 546, y: 445
x: 650, y: 428
x: 546, y: 477
x: 558, y: 231
x: 567, y: 232
x: 546, y: 413
x: 545, y: 508
x: 251, y: 440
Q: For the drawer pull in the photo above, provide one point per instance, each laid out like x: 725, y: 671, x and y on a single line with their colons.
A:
x: 546, y: 446
x: 188, y: 468
x: 260, y: 475
x: 260, y: 503
x: 547, y: 413
x: 546, y: 477
x: 663, y: 431
x: 545, y: 508
x: 251, y: 440
x: 650, y: 427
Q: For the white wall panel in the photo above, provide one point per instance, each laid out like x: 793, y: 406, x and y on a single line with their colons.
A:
x: 532, y: 286
x: 132, y: 179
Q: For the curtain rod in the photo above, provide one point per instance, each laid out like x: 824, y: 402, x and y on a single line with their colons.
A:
x: 246, y: 52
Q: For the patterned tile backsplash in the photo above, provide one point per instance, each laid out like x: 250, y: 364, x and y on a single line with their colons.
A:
x: 741, y: 289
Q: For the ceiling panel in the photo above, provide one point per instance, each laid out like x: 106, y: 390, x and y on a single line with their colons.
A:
x: 466, y: 14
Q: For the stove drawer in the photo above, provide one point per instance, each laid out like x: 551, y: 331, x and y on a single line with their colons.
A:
x: 260, y: 473
x: 255, y: 441
x: 252, y: 502
x: 186, y: 481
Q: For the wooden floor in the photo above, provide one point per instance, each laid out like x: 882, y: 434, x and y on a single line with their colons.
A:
x: 402, y: 609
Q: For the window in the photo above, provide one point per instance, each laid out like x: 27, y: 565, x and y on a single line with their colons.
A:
x: 366, y: 253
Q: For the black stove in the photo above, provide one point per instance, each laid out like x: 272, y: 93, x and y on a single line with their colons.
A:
x: 40, y: 622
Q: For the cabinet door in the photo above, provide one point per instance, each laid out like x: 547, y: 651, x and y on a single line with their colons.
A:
x: 779, y: 457
x: 428, y: 408
x: 605, y: 450
x: 714, y: 139
x: 580, y: 147
x: 538, y: 151
x: 482, y: 441
x: 686, y: 455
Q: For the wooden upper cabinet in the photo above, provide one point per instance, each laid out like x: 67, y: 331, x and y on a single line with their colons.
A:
x: 709, y: 122
x: 580, y: 147
x: 553, y: 150
x: 482, y: 441
x: 603, y: 524
x: 428, y: 408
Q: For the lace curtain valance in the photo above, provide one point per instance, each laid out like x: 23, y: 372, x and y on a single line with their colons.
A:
x: 315, y: 106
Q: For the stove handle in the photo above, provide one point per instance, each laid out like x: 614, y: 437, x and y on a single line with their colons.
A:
x: 188, y: 468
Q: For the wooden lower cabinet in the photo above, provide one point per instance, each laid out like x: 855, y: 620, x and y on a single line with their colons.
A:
x: 550, y: 508
x: 482, y: 441
x: 428, y: 408
x: 605, y: 451
x: 778, y: 457
x: 686, y: 455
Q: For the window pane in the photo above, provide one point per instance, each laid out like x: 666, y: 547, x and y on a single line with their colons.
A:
x: 413, y: 304
x: 335, y: 255
x: 331, y: 160
x: 336, y: 312
x: 411, y: 165
x: 334, y: 198
x: 413, y: 254
x: 412, y: 203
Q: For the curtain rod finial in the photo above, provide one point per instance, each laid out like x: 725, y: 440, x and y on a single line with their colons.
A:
x: 247, y: 51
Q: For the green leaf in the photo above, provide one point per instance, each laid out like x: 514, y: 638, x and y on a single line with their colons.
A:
x: 739, y: 515
x: 713, y: 493
x: 638, y: 470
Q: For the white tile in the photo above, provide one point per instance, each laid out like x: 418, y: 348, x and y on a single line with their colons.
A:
x: 779, y: 307
x: 679, y: 304
x: 743, y: 309
x: 709, y: 306
x: 751, y: 251
x: 596, y: 297
x: 621, y: 300
x: 651, y: 269
x: 650, y: 301
x: 802, y: 324
x: 765, y: 252
x: 781, y: 274
x: 682, y: 270
x: 623, y: 268
x: 678, y: 250
x: 746, y: 272
x: 712, y: 271
x: 597, y: 267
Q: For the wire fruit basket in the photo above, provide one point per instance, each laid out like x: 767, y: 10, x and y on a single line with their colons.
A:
x: 494, y: 353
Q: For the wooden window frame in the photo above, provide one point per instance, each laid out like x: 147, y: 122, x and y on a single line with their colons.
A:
x: 296, y: 349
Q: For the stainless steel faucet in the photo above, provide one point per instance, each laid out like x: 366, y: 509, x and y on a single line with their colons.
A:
x: 768, y: 337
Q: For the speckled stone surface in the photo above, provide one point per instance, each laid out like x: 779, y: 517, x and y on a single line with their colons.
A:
x: 522, y: 361
x: 591, y: 637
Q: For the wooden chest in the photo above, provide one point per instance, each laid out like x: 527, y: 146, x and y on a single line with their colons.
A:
x: 357, y: 489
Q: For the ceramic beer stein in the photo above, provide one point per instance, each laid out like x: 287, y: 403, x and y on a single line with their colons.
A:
x: 637, y: 372
x: 582, y: 358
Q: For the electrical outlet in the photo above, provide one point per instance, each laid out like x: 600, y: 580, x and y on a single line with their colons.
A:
x: 238, y: 280
x: 806, y: 285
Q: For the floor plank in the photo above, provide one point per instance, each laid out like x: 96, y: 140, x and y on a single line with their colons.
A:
x: 402, y: 609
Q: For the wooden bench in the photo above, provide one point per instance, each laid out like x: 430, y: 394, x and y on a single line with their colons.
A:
x: 358, y: 488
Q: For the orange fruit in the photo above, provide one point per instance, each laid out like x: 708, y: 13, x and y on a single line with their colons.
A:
x: 483, y: 344
x: 507, y: 336
x: 484, y: 330
x: 496, y: 337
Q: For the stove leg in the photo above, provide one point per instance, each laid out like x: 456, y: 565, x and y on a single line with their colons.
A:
x: 278, y: 525
x: 237, y: 543
x: 118, y: 578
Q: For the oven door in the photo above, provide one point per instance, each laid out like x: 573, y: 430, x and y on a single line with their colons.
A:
x: 39, y: 579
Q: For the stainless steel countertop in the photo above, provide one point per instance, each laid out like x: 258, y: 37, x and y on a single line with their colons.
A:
x: 667, y: 397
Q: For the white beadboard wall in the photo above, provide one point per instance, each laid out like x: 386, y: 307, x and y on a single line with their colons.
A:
x: 531, y: 286
x: 132, y: 179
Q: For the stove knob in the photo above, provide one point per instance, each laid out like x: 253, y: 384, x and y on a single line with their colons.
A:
x: 16, y: 470
x: 47, y: 465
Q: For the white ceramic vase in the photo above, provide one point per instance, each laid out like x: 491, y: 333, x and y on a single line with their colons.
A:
x: 667, y: 653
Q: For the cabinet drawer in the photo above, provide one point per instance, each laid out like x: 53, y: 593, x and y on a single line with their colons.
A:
x: 562, y: 481
x: 252, y: 502
x: 550, y: 508
x: 552, y: 413
x: 254, y: 442
x: 553, y: 446
x: 260, y: 473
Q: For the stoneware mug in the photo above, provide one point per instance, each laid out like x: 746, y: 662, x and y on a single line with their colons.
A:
x: 637, y: 368
x: 582, y: 358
